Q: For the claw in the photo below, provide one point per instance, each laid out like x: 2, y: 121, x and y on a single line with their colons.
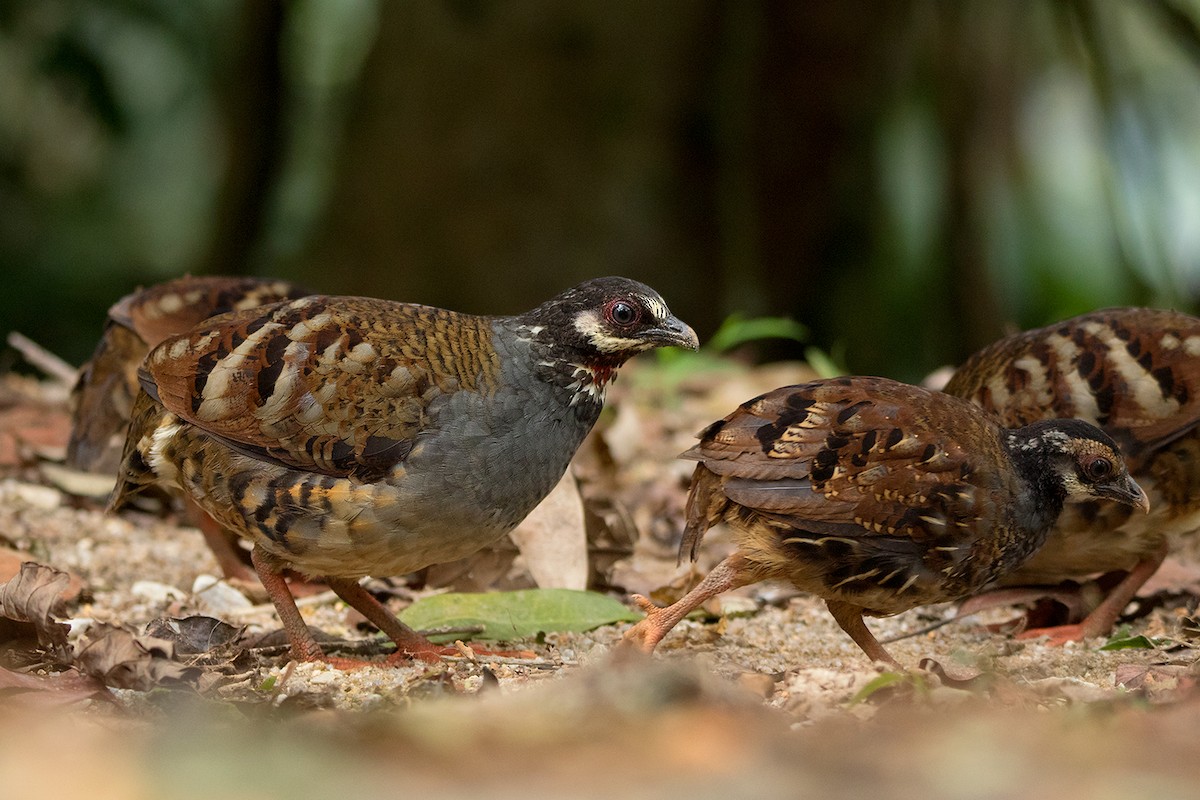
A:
x: 644, y: 604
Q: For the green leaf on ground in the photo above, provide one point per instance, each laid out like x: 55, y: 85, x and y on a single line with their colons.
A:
x: 883, y: 681
x: 514, y: 615
x: 1139, y: 642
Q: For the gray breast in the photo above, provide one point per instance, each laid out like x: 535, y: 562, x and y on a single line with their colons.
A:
x: 495, y: 456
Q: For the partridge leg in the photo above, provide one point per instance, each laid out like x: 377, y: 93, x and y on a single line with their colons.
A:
x: 646, y: 634
x: 304, y: 646
x: 409, y: 643
x: 1105, y: 615
x: 850, y: 619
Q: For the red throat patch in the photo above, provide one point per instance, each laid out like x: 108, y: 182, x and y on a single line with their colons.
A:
x: 601, y: 375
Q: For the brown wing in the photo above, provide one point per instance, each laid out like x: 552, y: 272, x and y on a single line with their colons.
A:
x: 103, y: 396
x: 173, y: 307
x: 854, y: 457
x: 1135, y: 372
x: 337, y: 385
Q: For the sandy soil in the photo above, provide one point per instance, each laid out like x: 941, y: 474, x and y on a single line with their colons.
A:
x: 760, y: 696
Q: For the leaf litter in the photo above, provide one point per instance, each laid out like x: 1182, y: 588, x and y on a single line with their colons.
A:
x: 734, y: 680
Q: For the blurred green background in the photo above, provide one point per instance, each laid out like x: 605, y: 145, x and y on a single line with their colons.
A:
x: 907, y: 178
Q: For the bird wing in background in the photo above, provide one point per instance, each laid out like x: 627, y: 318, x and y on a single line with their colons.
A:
x: 1133, y: 372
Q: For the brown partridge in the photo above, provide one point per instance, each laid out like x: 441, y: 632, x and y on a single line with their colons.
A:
x: 879, y: 496
x: 103, y: 396
x: 1134, y: 372
x: 348, y: 436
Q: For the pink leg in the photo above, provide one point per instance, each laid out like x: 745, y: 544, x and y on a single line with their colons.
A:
x: 1105, y: 615
x: 408, y: 641
x: 304, y: 646
x: 646, y: 634
x: 849, y: 618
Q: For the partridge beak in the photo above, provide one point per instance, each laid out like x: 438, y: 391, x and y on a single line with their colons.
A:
x: 673, y: 332
x: 1128, y: 493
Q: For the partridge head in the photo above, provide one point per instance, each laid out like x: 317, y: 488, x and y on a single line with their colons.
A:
x: 1135, y: 373
x: 350, y: 436
x: 878, y: 496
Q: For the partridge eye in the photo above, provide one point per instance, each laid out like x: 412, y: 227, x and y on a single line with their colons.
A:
x: 622, y: 313
x: 1099, y: 468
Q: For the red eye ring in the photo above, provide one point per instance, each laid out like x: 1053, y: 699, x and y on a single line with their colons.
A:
x: 622, y: 313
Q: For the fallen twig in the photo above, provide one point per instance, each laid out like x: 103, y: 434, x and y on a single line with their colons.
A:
x: 43, y: 359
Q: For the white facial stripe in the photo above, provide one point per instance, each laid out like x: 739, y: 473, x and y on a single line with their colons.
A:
x: 658, y: 309
x: 589, y: 324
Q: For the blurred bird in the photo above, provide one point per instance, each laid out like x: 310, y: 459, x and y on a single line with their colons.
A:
x: 103, y: 396
x: 1134, y: 372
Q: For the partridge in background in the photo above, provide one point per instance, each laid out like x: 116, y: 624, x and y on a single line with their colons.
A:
x: 879, y: 496
x: 349, y: 436
x: 1135, y: 373
x: 103, y: 396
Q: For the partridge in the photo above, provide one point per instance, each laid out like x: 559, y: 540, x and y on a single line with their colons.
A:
x: 1134, y: 372
x: 349, y: 436
x: 879, y: 496
x: 103, y: 396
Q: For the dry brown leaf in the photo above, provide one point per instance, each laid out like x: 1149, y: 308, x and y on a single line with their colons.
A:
x: 553, y: 539
x: 35, y: 596
x: 1158, y: 682
x: 120, y: 659
x: 10, y: 565
x: 1175, y: 575
x: 28, y: 431
x: 78, y: 483
x: 194, y: 635
x: 56, y: 688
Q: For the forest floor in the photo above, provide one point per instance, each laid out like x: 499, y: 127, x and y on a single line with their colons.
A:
x: 765, y: 694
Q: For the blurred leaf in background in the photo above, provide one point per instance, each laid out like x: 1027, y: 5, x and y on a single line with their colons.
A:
x: 908, y: 179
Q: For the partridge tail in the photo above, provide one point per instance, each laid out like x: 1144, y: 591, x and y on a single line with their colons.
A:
x: 706, y: 505
x: 135, y: 473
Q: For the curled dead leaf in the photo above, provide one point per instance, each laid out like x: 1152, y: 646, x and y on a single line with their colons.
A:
x: 126, y: 661
x: 195, y: 634
x: 34, y: 597
x: 59, y: 688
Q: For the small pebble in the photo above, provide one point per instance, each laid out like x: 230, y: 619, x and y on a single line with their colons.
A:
x: 757, y: 683
x: 155, y: 593
x: 78, y: 626
x: 40, y: 497
x: 323, y: 678
x: 215, y: 596
x: 733, y: 606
